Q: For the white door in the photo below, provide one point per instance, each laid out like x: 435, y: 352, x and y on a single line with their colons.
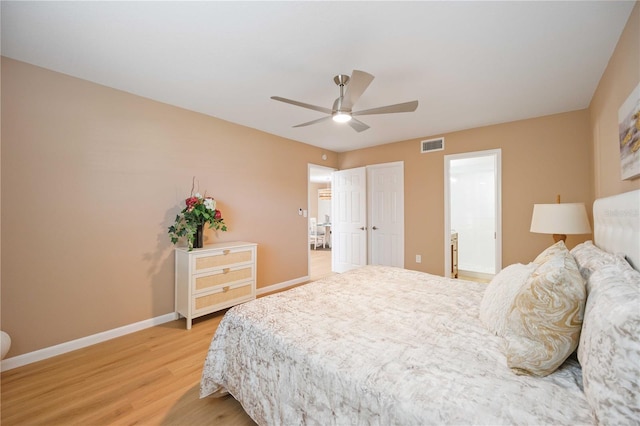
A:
x: 349, y: 219
x: 385, y: 192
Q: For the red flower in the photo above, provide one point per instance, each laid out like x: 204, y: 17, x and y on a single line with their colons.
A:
x: 217, y: 215
x: 191, y: 202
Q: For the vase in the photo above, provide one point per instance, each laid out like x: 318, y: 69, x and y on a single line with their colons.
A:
x: 199, y: 237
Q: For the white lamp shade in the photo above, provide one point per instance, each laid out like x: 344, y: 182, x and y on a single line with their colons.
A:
x: 565, y: 218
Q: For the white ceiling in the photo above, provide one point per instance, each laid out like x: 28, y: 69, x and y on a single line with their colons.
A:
x: 469, y: 64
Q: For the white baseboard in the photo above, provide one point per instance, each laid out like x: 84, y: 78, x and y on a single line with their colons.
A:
x: 280, y: 286
x: 83, y: 342
x: 39, y: 355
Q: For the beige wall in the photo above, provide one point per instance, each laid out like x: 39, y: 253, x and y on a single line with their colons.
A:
x: 541, y: 157
x: 620, y: 78
x: 91, y: 179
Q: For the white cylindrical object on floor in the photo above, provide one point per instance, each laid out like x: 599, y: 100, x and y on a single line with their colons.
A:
x: 5, y: 343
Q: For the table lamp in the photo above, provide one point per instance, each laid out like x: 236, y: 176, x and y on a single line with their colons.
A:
x: 560, y: 219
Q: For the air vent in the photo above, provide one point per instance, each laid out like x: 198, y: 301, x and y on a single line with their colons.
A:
x: 432, y: 145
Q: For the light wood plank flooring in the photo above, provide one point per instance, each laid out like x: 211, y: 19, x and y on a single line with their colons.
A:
x: 320, y: 264
x: 474, y: 278
x: 150, y: 377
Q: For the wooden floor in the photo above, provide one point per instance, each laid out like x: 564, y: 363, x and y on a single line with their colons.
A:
x: 474, y: 278
x: 150, y: 377
x: 320, y: 264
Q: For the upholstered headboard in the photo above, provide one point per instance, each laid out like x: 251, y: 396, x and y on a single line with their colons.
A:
x: 616, y: 223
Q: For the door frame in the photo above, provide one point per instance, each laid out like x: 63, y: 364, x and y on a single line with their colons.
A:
x: 497, y: 154
x: 309, y: 167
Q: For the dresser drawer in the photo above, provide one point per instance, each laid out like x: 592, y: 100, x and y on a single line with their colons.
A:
x: 222, y: 276
x: 223, y: 258
x: 222, y: 296
x: 214, y: 277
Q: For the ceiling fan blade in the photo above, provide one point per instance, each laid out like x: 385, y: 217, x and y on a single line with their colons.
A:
x: 357, y: 125
x: 356, y: 86
x: 319, y: 120
x: 404, y: 107
x: 302, y: 104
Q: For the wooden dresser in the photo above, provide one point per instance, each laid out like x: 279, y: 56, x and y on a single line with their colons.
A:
x: 214, y: 277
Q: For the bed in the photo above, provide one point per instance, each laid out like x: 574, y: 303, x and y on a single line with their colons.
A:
x: 387, y: 346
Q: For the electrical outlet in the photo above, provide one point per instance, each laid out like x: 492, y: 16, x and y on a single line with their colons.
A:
x: 418, y: 258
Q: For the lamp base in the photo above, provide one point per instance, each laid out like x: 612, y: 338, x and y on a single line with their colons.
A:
x: 559, y: 237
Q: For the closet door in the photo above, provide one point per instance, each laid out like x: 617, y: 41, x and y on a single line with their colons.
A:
x: 349, y: 219
x: 368, y: 217
x: 385, y: 190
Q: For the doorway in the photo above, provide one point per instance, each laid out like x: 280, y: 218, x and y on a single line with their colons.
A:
x: 319, y: 206
x: 473, y: 224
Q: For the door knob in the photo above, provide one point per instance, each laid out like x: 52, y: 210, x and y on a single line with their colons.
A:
x: 374, y: 228
x: 362, y: 228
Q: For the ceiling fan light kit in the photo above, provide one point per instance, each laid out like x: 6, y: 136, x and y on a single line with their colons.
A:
x: 341, y: 117
x: 341, y: 112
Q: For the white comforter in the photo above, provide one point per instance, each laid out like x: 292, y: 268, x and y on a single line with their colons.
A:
x: 380, y: 346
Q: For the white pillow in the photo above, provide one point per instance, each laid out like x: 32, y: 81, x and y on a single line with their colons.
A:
x: 590, y: 258
x: 609, y: 350
x: 500, y: 294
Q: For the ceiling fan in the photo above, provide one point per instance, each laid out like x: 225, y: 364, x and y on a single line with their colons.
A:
x: 341, y: 111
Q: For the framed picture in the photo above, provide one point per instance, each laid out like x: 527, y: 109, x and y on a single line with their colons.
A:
x: 629, y: 132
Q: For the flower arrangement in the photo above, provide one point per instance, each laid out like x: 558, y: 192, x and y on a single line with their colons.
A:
x: 198, y: 211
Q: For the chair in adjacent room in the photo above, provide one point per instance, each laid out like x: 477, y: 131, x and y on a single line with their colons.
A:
x: 316, y: 236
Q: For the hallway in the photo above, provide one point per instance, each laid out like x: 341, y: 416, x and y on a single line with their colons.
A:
x: 320, y: 266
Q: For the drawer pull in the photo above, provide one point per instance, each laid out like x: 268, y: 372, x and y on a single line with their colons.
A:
x: 226, y: 252
x: 226, y: 270
x: 225, y: 289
